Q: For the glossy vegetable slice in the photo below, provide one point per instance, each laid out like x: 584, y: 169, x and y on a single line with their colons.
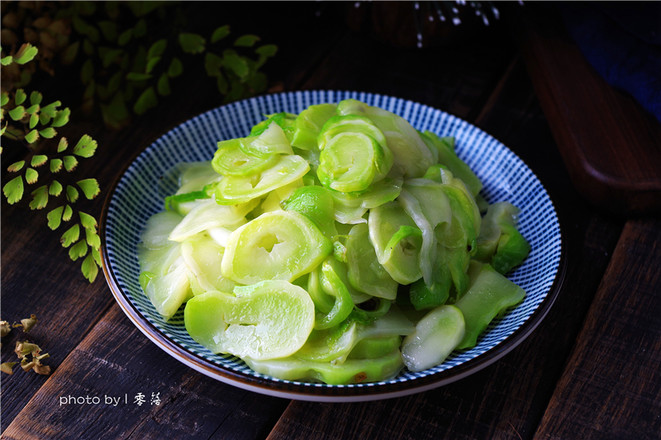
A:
x: 230, y: 159
x: 169, y: 290
x: 203, y: 257
x: 349, y: 162
x: 351, y: 371
x: 316, y: 203
x: 208, y: 215
x: 308, y: 124
x: 269, y: 142
x: 499, y: 242
x: 489, y: 294
x: 278, y: 245
x: 365, y: 273
x: 397, y: 242
x: 232, y: 190
x: 436, y: 335
x: 267, y: 320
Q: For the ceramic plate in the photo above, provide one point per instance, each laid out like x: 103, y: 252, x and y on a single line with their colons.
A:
x: 139, y: 191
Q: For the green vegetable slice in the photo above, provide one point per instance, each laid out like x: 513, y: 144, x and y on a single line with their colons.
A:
x: 278, y: 245
x: 397, y: 242
x: 231, y: 160
x: 348, y: 163
x: 169, y: 291
x: 232, y: 190
x: 316, y: 203
x: 308, y: 124
x: 499, y: 242
x: 365, y: 273
x: 283, y: 119
x: 158, y: 229
x: 351, y: 371
x: 447, y: 156
x: 489, y: 294
x: 269, y: 142
x: 203, y: 257
x: 268, y: 320
x: 208, y: 215
x: 434, y: 338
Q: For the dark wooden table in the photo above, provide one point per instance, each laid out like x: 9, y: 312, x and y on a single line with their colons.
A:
x: 590, y: 370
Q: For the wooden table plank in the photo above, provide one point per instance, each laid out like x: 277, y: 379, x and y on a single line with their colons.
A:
x: 611, y: 387
x: 115, y: 361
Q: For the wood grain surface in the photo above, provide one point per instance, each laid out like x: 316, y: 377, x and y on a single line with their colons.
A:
x: 590, y: 370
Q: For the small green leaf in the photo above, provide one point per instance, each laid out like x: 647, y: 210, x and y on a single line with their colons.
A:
x: 125, y: 37
x: 163, y: 85
x: 90, y: 188
x: 51, y: 108
x: 157, y: 49
x: 235, y: 63
x: 67, y: 214
x: 220, y: 33
x: 78, y: 250
x: 62, y: 145
x: 39, y: 198
x: 268, y: 50
x: 32, y: 109
x: 151, y: 63
x: 86, y: 147
x: 140, y: 29
x: 61, y: 118
x: 5, y: 61
x: 176, y: 68
x: 87, y: 71
x: 16, y: 166
x: 38, y: 160
x: 70, y: 236
x: 248, y: 40
x: 89, y: 268
x: 146, y: 101
x: 13, y: 190
x: 25, y: 54
x: 258, y: 82
x: 20, y: 97
x: 108, y: 29
x: 72, y: 194
x: 55, y: 188
x: 4, y: 99
x: 36, y: 98
x: 48, y: 132
x: 70, y: 53
x: 55, y: 165
x: 55, y: 218
x: 92, y: 238
x: 191, y: 43
x: 31, y: 176
x: 87, y: 220
x: 17, y: 113
x: 212, y: 64
x: 35, y: 118
x: 137, y: 76
x: 97, y: 254
x: 32, y: 136
x: 70, y: 163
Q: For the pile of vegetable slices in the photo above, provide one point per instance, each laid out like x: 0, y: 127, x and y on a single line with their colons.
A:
x: 337, y: 245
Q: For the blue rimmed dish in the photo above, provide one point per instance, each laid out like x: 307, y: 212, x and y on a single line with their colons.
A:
x: 139, y: 191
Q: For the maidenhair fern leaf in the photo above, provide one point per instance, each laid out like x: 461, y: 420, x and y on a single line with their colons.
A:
x: 55, y: 217
x: 78, y: 250
x: 62, y: 145
x: 72, y: 194
x: 31, y: 176
x: 38, y: 160
x: 68, y: 212
x: 70, y: 236
x: 87, y: 220
x: 16, y: 166
x: 92, y: 238
x: 70, y: 163
x: 39, y: 197
x: 55, y: 188
x: 13, y: 190
x: 86, y: 147
x: 55, y: 165
x: 89, y: 268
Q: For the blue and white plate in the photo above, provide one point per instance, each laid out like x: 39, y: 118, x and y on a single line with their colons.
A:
x: 139, y: 193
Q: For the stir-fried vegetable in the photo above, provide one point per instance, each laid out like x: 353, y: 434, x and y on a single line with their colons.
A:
x: 337, y: 245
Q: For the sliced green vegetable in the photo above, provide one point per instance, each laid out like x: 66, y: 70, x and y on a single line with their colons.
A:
x: 435, y: 337
x: 232, y: 190
x: 308, y: 124
x: 203, y: 257
x: 365, y: 273
x: 268, y: 320
x: 278, y: 245
x: 269, y: 142
x: 208, y: 214
x: 230, y: 159
x: 489, y: 294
